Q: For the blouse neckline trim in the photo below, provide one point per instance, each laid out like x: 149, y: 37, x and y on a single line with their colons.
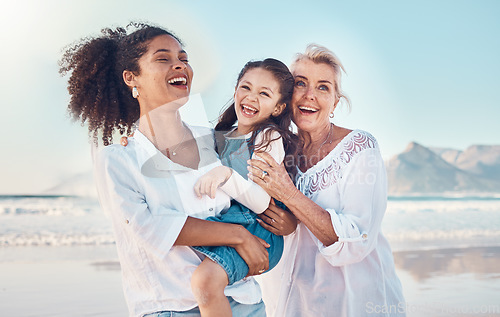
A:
x: 324, y: 159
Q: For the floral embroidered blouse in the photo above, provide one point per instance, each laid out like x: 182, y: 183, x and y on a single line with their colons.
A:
x: 355, y: 276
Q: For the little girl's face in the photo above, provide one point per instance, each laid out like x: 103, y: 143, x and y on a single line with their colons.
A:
x: 256, y: 98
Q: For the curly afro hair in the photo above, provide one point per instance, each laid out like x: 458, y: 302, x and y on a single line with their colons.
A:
x: 99, y: 96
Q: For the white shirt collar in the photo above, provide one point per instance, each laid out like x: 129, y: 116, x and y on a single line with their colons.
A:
x: 154, y: 160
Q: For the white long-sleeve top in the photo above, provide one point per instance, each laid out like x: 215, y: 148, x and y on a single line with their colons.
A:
x: 148, y: 198
x: 244, y: 190
x: 354, y: 276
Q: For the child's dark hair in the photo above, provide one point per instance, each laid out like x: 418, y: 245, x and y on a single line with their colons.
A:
x: 280, y: 123
x: 99, y: 95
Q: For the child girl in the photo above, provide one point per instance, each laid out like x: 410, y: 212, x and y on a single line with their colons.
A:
x: 263, y: 92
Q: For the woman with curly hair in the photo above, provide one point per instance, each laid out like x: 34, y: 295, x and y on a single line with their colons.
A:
x: 122, y: 79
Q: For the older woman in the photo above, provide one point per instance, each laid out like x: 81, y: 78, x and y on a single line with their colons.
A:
x: 147, y: 187
x: 337, y: 262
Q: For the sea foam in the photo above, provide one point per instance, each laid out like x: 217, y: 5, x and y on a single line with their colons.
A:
x: 410, y: 222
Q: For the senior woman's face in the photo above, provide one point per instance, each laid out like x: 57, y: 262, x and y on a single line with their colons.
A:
x: 313, y: 95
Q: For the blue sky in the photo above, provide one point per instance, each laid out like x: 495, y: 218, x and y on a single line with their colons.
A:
x: 423, y: 71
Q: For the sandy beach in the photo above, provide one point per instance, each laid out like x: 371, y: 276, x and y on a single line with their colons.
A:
x: 450, y: 282
x: 60, y: 281
x: 85, y: 281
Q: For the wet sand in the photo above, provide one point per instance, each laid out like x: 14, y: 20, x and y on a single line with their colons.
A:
x: 86, y: 281
x: 60, y: 281
x: 450, y: 282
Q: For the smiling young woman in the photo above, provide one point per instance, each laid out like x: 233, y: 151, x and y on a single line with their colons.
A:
x: 122, y: 80
x: 165, y: 76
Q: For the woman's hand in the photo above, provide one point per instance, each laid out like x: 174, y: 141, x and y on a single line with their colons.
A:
x: 213, y: 233
x: 277, y: 220
x: 211, y: 181
x: 253, y: 251
x: 272, y: 176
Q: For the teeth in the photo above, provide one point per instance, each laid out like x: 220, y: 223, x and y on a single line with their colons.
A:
x: 178, y: 79
x: 307, y: 108
x: 250, y: 108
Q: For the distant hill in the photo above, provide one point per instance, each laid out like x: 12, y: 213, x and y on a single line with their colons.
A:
x: 481, y: 160
x: 76, y: 185
x: 421, y: 170
x: 449, y: 155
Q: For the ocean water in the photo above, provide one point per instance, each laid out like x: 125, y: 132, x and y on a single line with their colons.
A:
x: 52, y: 221
x: 433, y: 222
x: 410, y: 223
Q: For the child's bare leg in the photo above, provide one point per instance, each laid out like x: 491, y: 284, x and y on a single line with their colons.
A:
x: 208, y: 283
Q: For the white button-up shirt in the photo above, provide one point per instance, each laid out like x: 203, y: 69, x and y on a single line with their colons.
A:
x: 148, y: 198
x: 354, y: 276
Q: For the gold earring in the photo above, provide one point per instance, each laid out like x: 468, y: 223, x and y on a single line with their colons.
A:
x: 135, y: 92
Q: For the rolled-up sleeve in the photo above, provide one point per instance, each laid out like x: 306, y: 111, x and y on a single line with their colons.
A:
x: 123, y: 200
x: 363, y: 196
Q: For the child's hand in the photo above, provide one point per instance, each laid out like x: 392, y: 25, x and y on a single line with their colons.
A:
x: 208, y: 183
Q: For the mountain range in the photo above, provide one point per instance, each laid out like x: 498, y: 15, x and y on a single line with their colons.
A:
x: 422, y: 170
x: 418, y: 170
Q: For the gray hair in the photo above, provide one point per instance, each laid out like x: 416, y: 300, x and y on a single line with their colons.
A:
x: 320, y: 54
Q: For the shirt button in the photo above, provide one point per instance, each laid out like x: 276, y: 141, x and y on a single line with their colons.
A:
x: 127, y: 222
x: 364, y: 236
x: 211, y: 209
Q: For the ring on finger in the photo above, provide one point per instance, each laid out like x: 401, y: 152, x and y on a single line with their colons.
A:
x: 264, y: 173
x: 262, y: 271
x: 272, y: 220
